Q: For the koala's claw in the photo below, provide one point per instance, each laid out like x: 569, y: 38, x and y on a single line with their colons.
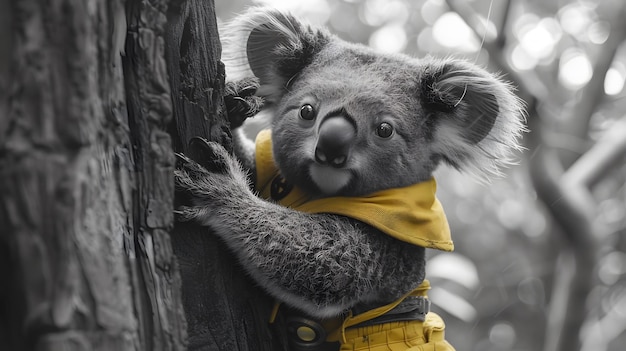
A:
x: 180, y: 214
x: 241, y: 103
x: 238, y: 108
x: 208, y: 154
x: 245, y: 87
x: 188, y: 168
x: 205, y: 179
x: 249, y: 90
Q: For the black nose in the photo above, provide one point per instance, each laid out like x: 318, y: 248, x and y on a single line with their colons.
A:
x: 336, y: 135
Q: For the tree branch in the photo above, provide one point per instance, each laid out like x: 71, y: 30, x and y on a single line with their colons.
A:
x: 501, y: 37
x: 571, y: 208
x: 603, y: 156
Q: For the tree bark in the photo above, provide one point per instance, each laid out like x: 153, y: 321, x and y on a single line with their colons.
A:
x: 224, y: 309
x: 86, y: 179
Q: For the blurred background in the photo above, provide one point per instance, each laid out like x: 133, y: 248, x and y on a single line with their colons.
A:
x: 540, y: 259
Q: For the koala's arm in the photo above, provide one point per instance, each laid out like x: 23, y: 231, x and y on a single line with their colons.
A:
x: 320, y: 263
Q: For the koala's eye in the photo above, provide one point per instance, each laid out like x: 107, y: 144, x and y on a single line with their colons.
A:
x: 307, y: 112
x: 384, y: 130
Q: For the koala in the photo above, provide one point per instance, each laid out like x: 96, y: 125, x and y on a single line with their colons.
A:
x: 356, y: 135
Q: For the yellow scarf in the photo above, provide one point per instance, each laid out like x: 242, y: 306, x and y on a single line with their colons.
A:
x: 411, y: 214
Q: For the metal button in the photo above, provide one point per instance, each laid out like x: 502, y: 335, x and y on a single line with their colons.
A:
x: 306, y: 333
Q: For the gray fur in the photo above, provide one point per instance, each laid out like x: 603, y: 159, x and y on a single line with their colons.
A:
x: 441, y: 110
x: 320, y: 263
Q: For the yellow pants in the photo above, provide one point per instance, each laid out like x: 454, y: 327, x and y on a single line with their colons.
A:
x: 399, y: 336
x: 412, y: 335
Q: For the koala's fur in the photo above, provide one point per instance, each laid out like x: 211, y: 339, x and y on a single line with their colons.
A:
x: 441, y: 111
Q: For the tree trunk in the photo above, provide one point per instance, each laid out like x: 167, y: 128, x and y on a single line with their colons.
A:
x: 86, y: 181
x: 224, y: 309
x: 86, y: 178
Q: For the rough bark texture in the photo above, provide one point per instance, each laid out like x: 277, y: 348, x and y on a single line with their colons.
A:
x: 224, y: 310
x: 86, y: 179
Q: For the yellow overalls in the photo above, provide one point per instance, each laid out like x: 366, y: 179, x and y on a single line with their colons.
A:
x: 411, y: 214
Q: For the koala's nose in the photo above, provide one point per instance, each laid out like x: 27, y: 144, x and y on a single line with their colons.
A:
x: 336, y: 135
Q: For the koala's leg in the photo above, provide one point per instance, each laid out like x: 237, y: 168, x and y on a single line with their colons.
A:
x: 320, y: 263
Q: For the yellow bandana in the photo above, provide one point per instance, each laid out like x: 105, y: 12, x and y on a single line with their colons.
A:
x: 411, y: 214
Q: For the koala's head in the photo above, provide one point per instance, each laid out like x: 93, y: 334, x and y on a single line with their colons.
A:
x: 351, y: 121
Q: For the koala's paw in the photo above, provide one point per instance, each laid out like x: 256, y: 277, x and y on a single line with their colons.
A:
x: 206, y: 181
x: 241, y: 103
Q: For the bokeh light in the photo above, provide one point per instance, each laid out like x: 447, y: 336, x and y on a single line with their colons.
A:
x: 380, y: 12
x: 615, y: 79
x: 390, y: 38
x: 452, y: 32
x: 432, y: 10
x: 454, y: 304
x: 314, y: 11
x: 598, y: 32
x: 574, y: 68
x: 576, y: 18
x: 540, y: 40
x: 502, y: 335
x: 454, y: 267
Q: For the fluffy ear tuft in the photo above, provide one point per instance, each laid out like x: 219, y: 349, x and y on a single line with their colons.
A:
x: 478, y: 118
x: 270, y: 45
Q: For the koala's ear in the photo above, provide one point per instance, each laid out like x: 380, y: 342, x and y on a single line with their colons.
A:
x: 273, y: 46
x: 476, y: 116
